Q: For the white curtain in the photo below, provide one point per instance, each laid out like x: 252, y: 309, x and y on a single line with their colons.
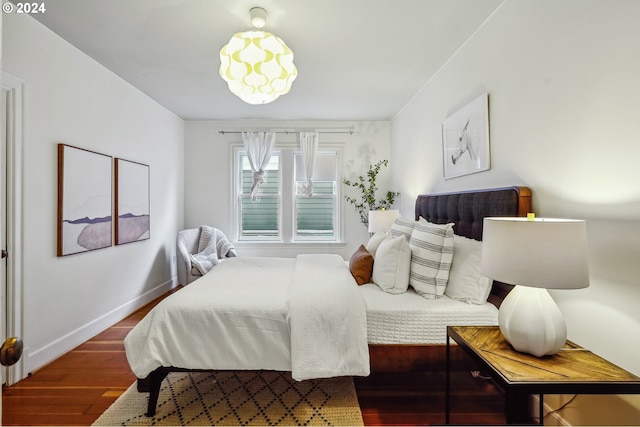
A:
x: 259, y: 146
x: 309, y: 147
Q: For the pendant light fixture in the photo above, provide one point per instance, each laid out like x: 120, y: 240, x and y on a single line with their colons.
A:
x: 257, y: 65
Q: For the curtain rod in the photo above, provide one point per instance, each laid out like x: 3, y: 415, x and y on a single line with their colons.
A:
x: 287, y: 132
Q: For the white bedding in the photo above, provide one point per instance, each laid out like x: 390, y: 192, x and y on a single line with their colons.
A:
x: 246, y: 313
x: 408, y: 318
x: 239, y: 316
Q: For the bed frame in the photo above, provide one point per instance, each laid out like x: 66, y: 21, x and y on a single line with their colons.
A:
x: 467, y: 211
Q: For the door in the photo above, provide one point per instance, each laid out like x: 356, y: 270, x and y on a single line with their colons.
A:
x: 3, y: 222
x: 11, y: 118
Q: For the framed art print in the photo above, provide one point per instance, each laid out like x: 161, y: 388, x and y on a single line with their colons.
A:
x: 84, y: 200
x: 132, y: 201
x: 465, y: 139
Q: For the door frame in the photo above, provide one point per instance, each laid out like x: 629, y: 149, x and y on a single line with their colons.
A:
x: 14, y: 88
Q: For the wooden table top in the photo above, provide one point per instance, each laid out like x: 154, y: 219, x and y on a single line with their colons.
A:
x: 571, y: 364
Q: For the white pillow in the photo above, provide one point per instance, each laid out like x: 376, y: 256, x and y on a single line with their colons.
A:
x: 431, y: 254
x: 391, y: 265
x: 375, y: 240
x: 402, y: 227
x: 466, y: 282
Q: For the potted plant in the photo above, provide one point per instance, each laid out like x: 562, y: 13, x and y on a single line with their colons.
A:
x: 367, y: 186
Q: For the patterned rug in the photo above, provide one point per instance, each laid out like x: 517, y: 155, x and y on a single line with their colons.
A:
x: 240, y: 398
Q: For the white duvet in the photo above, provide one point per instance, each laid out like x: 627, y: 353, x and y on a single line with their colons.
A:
x: 259, y: 313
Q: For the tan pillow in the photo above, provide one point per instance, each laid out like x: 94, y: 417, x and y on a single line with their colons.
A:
x: 361, y: 265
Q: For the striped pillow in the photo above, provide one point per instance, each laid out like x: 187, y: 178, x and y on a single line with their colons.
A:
x: 402, y: 227
x: 431, y: 255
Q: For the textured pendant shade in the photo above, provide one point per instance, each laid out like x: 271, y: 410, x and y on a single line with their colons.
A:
x: 257, y: 65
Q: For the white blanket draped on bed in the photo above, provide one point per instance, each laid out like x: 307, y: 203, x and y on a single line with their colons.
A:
x: 327, y: 319
x: 303, y: 315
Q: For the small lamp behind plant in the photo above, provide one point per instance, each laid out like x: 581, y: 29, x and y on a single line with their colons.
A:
x: 382, y: 220
x: 367, y: 186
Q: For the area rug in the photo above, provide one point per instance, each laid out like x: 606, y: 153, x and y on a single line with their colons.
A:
x: 265, y: 398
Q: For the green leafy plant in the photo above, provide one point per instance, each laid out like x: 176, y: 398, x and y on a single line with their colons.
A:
x: 368, y: 188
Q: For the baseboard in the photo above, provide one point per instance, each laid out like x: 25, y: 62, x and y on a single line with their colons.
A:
x: 68, y: 342
x: 551, y: 417
x: 589, y: 409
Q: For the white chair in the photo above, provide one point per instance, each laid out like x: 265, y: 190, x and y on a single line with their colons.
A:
x: 187, y: 243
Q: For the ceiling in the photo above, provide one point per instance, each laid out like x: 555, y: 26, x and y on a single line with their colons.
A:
x: 356, y: 59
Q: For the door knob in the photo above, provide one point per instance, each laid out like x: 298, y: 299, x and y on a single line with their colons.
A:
x: 4, y: 253
x: 11, y: 351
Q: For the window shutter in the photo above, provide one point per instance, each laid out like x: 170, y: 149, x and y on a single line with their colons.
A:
x: 315, y: 215
x: 259, y: 218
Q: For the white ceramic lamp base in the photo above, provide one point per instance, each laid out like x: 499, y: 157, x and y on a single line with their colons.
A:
x: 532, y: 322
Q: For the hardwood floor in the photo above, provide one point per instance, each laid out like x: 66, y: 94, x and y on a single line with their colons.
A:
x: 419, y: 399
x: 76, y: 388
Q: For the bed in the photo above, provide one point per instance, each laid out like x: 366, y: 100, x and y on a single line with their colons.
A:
x: 466, y: 210
x: 312, y: 319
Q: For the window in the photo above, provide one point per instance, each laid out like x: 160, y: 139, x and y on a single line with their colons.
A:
x: 282, y: 212
x: 316, y: 215
x: 259, y: 219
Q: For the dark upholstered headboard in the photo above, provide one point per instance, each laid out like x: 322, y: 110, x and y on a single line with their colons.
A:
x: 467, y: 210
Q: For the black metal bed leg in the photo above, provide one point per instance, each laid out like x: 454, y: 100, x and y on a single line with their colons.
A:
x: 152, y: 384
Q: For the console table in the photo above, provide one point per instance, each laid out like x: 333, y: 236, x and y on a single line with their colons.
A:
x: 573, y: 370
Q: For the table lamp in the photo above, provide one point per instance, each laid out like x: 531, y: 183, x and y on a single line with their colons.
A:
x: 382, y: 220
x: 534, y: 254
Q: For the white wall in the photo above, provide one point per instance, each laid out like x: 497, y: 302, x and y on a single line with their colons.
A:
x: 562, y: 78
x: 208, y: 175
x: 71, y: 99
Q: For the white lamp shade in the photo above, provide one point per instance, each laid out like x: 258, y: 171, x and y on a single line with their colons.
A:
x: 382, y: 220
x: 542, y: 253
x: 257, y: 66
